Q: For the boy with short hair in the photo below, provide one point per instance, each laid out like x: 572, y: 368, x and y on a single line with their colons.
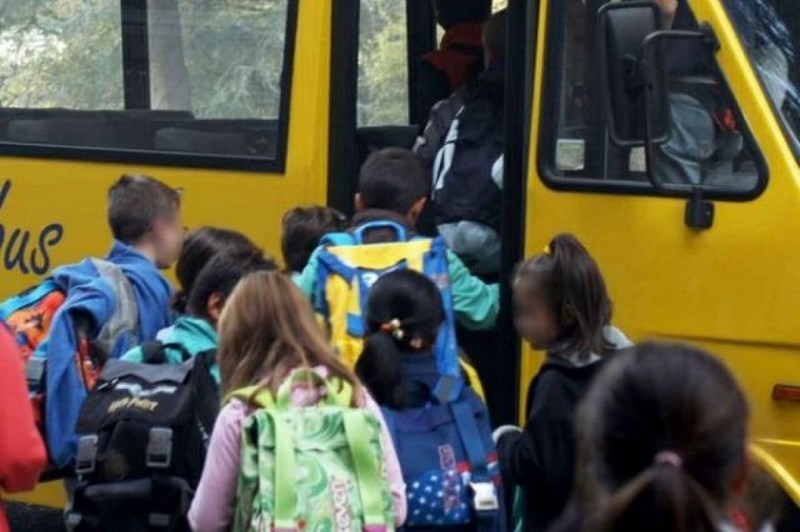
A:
x: 127, y: 286
x: 394, y: 185
x: 303, y: 228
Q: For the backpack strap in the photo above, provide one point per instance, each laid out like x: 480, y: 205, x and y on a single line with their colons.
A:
x: 451, y: 381
x: 337, y: 239
x: 155, y: 352
x: 485, y: 500
x: 366, y: 469
x: 125, y: 318
x: 257, y: 395
x: 328, y: 264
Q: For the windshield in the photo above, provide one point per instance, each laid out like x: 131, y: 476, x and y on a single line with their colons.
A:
x: 770, y: 31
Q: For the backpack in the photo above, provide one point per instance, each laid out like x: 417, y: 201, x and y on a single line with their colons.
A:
x: 30, y: 315
x: 449, y: 464
x: 143, y: 435
x: 468, y: 168
x: 311, y: 468
x: 347, y: 270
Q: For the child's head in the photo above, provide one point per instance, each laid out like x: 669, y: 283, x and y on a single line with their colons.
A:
x: 394, y: 180
x: 200, y: 246
x: 663, y: 439
x: 267, y: 329
x: 560, y: 300
x: 303, y: 228
x: 219, y: 277
x: 146, y: 214
x: 404, y: 314
x: 452, y: 12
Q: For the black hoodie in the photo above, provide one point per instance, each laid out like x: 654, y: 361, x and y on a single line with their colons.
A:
x: 541, y: 458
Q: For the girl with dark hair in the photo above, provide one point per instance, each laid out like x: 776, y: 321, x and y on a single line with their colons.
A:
x: 404, y: 313
x: 562, y: 307
x: 200, y: 246
x: 663, y: 438
x: 398, y: 366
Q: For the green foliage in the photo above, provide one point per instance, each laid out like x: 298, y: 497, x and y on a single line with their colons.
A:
x: 68, y: 53
x: 382, y: 64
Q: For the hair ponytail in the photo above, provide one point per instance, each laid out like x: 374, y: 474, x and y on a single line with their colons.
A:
x: 380, y: 370
x: 662, y: 435
x: 404, y: 314
x: 664, y: 498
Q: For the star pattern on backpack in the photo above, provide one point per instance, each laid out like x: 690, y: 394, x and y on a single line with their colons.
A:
x: 438, y: 499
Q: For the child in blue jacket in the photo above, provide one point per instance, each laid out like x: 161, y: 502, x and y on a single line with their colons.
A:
x: 145, y: 220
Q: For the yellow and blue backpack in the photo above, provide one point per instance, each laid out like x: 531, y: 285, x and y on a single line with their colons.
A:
x: 348, y: 267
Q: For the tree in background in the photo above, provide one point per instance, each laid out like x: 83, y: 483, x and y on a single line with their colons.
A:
x: 216, y: 58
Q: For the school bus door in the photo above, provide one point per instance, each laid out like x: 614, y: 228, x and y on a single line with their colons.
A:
x: 732, y: 288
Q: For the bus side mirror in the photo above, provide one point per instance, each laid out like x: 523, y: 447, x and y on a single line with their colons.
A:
x: 657, y: 50
x: 622, y: 30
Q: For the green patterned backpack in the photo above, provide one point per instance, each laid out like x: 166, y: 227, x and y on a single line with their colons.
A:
x: 314, y: 469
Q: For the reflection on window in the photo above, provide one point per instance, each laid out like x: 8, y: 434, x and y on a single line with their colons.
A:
x: 215, y: 72
x: 706, y: 144
x: 770, y: 30
x: 61, y: 54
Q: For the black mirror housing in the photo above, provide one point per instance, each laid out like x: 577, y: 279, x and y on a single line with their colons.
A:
x: 622, y: 29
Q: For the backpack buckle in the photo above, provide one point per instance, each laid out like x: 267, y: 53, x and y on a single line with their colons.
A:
x: 72, y: 521
x: 159, y: 448
x: 34, y: 373
x: 87, y: 455
x: 485, y: 496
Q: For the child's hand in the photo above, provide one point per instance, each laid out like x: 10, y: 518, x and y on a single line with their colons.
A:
x: 503, y: 430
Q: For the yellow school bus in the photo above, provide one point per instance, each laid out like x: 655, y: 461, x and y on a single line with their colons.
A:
x: 256, y: 106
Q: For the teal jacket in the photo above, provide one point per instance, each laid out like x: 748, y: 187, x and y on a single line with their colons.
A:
x: 195, y: 334
x: 475, y: 303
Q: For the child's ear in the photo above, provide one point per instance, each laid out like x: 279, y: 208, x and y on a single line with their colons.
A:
x: 214, y: 306
x: 358, y: 203
x: 416, y: 210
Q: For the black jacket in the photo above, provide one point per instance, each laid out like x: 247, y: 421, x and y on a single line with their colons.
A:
x: 541, y: 458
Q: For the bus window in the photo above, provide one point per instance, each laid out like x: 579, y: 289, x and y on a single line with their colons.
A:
x: 173, y: 81
x: 383, y: 64
x: 771, y: 32
x: 709, y: 142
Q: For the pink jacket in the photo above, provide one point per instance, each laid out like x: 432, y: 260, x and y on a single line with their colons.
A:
x: 213, y: 506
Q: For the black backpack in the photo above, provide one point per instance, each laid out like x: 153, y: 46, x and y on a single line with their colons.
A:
x: 470, y: 154
x: 144, y: 432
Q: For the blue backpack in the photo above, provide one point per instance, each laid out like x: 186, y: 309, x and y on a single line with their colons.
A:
x: 449, y: 464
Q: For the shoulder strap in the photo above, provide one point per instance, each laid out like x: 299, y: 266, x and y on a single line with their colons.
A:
x: 126, y: 314
x: 451, y: 381
x: 153, y: 353
x: 257, y: 395
x: 367, y: 469
x: 484, y: 494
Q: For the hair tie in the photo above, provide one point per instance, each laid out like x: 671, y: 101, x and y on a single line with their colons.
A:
x: 395, y: 328
x: 669, y: 458
x: 547, y: 250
